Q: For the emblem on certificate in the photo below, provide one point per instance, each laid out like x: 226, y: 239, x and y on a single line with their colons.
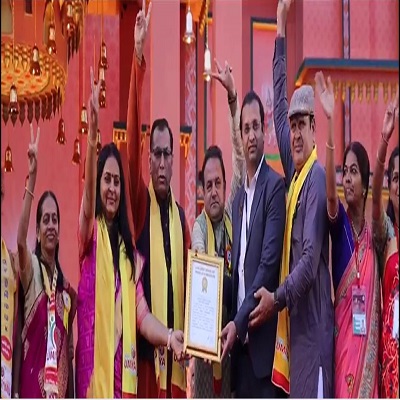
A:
x: 203, y: 310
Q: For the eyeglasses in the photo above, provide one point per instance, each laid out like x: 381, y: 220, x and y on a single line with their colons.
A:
x: 255, y: 125
x: 157, y: 152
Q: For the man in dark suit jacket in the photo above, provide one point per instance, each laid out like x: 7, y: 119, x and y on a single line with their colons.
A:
x: 258, y: 219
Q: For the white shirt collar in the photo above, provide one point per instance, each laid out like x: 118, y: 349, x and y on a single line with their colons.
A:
x: 253, y: 182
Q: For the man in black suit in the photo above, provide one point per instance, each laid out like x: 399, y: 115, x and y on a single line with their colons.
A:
x: 258, y: 217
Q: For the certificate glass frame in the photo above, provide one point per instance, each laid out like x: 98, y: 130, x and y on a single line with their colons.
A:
x: 203, y: 308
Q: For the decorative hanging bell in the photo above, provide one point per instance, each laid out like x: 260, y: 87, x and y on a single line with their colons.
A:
x: 61, y: 139
x: 189, y: 37
x: 76, y: 158
x: 8, y: 166
x: 13, y: 106
x: 102, y: 94
x: 34, y: 68
x: 51, y: 42
x: 207, y: 64
x: 103, y: 62
x: 69, y: 20
x: 83, y: 125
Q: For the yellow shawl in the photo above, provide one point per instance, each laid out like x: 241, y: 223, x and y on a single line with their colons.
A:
x: 104, y: 331
x: 159, y: 285
x: 280, y: 370
x: 8, y: 288
x: 217, y: 368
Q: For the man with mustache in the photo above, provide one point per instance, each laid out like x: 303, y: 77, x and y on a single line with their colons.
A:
x: 212, y: 231
x: 161, y: 234
x: 303, y: 364
x: 257, y: 214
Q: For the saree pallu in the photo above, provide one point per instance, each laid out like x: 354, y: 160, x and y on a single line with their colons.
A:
x: 356, y: 357
x: 85, y: 348
x: 34, y: 345
x: 389, y: 346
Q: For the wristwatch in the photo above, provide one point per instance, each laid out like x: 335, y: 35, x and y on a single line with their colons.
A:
x: 169, y: 339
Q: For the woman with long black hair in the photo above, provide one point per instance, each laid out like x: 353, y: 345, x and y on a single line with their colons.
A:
x: 47, y: 300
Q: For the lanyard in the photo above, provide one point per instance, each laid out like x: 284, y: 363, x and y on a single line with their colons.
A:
x: 356, y: 246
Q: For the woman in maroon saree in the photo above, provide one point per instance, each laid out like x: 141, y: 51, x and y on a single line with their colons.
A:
x: 47, y: 305
x: 386, y: 237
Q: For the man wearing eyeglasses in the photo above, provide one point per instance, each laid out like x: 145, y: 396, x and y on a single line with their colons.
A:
x: 161, y: 235
x: 258, y: 213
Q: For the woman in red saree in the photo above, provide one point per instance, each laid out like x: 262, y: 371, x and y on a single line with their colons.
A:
x: 47, y: 300
x: 386, y: 237
x: 354, y: 266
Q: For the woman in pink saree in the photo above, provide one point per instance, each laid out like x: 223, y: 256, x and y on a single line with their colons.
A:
x: 386, y: 237
x: 355, y: 270
x: 111, y: 302
x: 47, y: 301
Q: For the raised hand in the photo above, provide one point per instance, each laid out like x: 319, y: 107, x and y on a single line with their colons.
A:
x: 94, y: 103
x: 325, y: 93
x: 391, y: 114
x: 284, y: 6
x: 224, y: 75
x: 142, y: 23
x: 33, y: 151
x: 281, y: 15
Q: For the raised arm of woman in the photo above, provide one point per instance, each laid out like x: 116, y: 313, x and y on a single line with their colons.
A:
x: 379, y: 170
x: 88, y: 205
x: 25, y: 257
x: 327, y: 98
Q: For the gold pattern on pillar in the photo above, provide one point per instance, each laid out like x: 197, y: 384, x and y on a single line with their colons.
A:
x: 207, y: 53
x: 13, y: 108
x: 103, y: 64
x: 189, y: 36
x: 103, y: 48
x: 83, y: 122
x: 35, y: 66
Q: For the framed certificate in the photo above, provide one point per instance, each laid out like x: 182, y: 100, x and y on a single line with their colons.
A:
x: 203, y: 310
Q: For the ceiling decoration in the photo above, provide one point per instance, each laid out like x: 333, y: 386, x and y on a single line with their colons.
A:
x: 38, y: 38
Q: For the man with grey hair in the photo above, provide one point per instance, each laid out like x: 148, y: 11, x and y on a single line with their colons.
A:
x: 303, y: 363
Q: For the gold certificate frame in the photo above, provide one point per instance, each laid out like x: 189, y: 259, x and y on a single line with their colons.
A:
x: 203, y: 310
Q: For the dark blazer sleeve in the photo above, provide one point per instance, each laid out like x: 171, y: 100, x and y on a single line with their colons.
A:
x: 298, y: 283
x: 269, y: 266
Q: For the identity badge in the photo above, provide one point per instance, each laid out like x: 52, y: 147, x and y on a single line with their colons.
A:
x: 359, y: 310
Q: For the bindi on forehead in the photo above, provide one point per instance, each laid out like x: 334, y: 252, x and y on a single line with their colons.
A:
x: 110, y: 174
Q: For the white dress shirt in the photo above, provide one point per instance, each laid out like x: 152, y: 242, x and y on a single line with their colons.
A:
x: 248, y: 202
